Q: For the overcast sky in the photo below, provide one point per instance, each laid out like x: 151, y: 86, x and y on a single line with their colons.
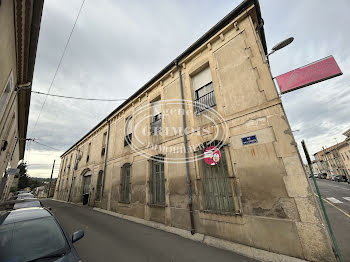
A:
x: 117, y: 46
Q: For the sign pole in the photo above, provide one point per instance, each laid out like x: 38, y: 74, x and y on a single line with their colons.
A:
x: 337, y: 253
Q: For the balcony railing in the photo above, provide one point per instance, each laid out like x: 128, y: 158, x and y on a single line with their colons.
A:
x: 204, y: 102
x: 156, y: 124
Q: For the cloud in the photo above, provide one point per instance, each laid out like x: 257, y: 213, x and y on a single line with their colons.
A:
x: 117, y: 46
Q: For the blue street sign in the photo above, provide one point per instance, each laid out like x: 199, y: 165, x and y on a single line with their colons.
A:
x: 249, y: 140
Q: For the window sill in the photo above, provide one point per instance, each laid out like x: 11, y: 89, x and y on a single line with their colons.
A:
x: 157, y: 205
x: 124, y: 202
x: 238, y: 213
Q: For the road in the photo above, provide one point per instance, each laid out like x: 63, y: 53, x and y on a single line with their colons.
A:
x: 337, y: 204
x: 108, y: 238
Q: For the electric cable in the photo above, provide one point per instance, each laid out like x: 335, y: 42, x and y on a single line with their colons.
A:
x: 59, y: 64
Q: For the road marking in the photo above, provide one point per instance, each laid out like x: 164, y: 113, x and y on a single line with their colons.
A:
x: 334, y: 200
x: 341, y: 210
x: 347, y: 198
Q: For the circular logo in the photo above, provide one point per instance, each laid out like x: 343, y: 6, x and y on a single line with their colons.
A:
x: 212, y: 155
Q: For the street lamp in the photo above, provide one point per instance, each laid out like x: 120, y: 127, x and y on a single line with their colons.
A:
x: 280, y: 45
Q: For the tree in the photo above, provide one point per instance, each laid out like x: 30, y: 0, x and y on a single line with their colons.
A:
x: 23, y: 180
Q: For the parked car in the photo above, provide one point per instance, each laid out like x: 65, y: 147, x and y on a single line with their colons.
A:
x: 340, y: 178
x: 316, y: 175
x: 33, y: 234
x: 25, y: 195
x: 323, y: 175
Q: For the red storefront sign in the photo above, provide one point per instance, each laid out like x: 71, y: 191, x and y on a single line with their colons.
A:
x: 318, y: 71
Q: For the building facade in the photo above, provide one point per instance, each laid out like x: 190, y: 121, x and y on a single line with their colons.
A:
x: 19, y: 27
x: 256, y: 194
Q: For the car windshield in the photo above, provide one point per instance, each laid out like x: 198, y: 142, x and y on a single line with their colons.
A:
x: 28, y: 240
x: 24, y: 196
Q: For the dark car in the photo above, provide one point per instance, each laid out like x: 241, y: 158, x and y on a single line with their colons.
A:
x: 339, y: 178
x: 33, y: 234
x: 323, y: 175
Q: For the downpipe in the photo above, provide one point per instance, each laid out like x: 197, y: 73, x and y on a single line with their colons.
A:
x: 188, y: 178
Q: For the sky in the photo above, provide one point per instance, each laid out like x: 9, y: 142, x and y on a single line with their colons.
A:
x: 117, y: 46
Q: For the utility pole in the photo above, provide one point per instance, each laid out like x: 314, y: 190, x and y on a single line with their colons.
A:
x: 48, y: 191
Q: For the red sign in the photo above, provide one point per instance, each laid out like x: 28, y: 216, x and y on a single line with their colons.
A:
x: 212, y: 155
x: 318, y: 71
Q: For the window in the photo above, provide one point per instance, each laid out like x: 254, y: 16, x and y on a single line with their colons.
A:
x: 88, y: 153
x: 5, y: 96
x: 103, y: 151
x: 156, y: 121
x: 342, y: 156
x: 203, y: 90
x: 217, y: 186
x: 125, y: 183
x: 128, y: 131
x: 346, y: 156
x: 157, y: 181
x: 99, y: 185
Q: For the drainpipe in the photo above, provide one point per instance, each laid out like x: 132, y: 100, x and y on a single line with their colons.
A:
x: 188, y: 178
x: 106, y: 156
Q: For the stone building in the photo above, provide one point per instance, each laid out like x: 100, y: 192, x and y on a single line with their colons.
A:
x: 254, y: 192
x: 19, y: 27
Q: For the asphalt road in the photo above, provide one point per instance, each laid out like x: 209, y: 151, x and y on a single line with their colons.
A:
x: 108, y: 238
x: 337, y: 204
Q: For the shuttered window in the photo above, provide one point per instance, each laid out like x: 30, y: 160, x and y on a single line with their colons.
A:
x: 217, y: 186
x: 202, y: 84
x: 156, y: 122
x: 99, y: 185
x: 128, y: 132
x: 125, y: 183
x: 157, y: 182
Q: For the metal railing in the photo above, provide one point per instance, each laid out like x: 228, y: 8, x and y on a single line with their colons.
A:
x: 156, y: 125
x: 204, y: 102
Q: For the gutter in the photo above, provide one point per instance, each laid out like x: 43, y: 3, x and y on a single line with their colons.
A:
x: 188, y: 176
x: 217, y: 27
x: 106, y: 156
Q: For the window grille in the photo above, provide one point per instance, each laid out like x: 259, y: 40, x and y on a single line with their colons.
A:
x: 125, y: 184
x: 202, y: 84
x: 156, y: 121
x: 157, y: 182
x: 217, y: 186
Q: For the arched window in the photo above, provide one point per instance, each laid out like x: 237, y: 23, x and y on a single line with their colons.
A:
x: 99, y: 185
x: 125, y: 183
x: 128, y: 131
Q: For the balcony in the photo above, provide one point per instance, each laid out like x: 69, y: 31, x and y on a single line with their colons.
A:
x: 156, y: 124
x: 204, y: 102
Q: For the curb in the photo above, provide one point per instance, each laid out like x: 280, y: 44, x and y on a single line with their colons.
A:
x: 244, y: 250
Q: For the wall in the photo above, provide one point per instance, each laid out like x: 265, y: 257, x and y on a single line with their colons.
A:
x: 275, y: 208
x: 8, y: 67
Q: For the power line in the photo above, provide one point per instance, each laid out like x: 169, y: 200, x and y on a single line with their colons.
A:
x: 79, y: 98
x: 60, y: 62
x: 45, y: 145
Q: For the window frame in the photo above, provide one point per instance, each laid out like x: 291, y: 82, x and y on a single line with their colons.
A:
x: 6, y: 100
x: 208, y: 100
x: 232, y: 205
x: 128, y: 136
x: 156, y: 120
x: 125, y: 184
x: 157, y: 182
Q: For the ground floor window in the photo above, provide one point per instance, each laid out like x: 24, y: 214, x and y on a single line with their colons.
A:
x: 217, y: 186
x: 125, y: 183
x: 99, y: 185
x: 157, y: 181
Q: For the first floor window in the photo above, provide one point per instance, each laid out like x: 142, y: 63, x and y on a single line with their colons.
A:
x: 157, y: 181
x: 125, y: 183
x: 202, y: 85
x: 217, y: 186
